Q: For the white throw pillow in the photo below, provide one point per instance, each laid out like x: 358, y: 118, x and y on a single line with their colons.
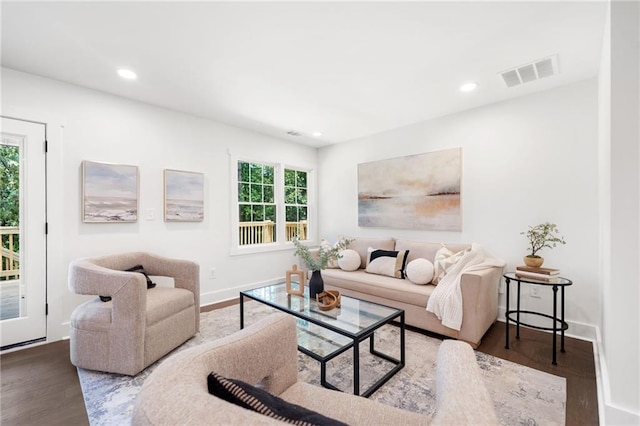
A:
x: 420, y: 271
x: 350, y: 260
x: 444, y: 260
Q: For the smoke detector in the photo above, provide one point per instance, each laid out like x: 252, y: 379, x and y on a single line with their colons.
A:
x: 532, y: 71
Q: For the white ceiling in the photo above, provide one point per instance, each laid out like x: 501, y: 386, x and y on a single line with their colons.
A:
x: 346, y: 69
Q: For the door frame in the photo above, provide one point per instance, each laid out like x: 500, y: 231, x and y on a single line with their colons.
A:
x: 56, y: 269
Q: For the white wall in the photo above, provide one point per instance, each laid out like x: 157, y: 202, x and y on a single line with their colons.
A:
x: 620, y: 188
x: 525, y: 161
x: 102, y: 127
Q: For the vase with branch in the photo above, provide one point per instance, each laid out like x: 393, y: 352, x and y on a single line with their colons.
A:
x: 318, y: 259
x: 544, y: 235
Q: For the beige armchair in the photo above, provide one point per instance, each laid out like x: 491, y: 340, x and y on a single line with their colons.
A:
x: 176, y: 393
x: 138, y: 325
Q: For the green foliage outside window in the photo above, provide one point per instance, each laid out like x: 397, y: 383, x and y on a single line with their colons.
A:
x: 256, y: 197
x: 295, y: 197
x: 257, y: 202
x: 10, y: 192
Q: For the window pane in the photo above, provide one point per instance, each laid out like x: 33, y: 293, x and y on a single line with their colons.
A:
x: 268, y: 194
x: 258, y: 213
x: 245, y: 213
x: 289, y: 177
x: 268, y: 174
x: 301, y: 196
x: 243, y: 171
x: 289, y: 195
x: 256, y: 173
x: 256, y: 193
x: 302, y: 213
x: 243, y: 192
x: 291, y: 213
x: 270, y: 213
x: 301, y: 179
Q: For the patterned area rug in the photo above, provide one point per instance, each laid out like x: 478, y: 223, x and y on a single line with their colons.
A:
x: 520, y: 394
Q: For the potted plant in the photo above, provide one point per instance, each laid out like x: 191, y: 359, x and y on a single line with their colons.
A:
x: 541, y: 236
x: 317, y: 261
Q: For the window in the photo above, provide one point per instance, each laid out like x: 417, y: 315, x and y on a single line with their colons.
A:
x: 295, y: 203
x: 256, y: 203
x: 272, y: 205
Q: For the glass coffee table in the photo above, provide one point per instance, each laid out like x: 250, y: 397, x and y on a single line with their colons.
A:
x: 323, y: 335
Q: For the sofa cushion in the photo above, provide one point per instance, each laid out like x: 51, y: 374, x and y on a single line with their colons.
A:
x: 162, y: 302
x: 386, y: 262
x: 258, y: 400
x: 349, y: 260
x: 426, y: 250
x: 362, y: 244
x: 420, y: 271
x: 403, y: 291
x: 140, y: 269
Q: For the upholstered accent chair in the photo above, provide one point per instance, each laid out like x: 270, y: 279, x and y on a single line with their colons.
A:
x: 265, y: 353
x: 138, y: 325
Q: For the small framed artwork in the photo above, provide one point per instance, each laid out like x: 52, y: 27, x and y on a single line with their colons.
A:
x: 183, y: 196
x: 109, y: 192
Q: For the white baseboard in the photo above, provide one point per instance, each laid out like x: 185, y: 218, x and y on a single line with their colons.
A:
x: 232, y: 293
x: 609, y: 413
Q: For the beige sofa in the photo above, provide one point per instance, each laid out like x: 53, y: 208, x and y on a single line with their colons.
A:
x: 266, y: 353
x: 479, y: 289
x: 139, y: 325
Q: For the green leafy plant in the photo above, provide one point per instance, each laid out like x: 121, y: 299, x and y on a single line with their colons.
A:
x: 319, y: 261
x: 541, y: 236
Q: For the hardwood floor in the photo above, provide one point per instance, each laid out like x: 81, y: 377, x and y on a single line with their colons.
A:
x: 41, y: 387
x: 534, y: 349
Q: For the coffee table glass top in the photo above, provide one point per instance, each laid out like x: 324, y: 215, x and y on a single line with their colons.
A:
x: 325, y: 332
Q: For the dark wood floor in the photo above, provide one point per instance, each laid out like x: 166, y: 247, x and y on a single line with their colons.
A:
x: 41, y: 387
x: 534, y: 349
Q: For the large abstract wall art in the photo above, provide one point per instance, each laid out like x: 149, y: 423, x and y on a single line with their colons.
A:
x: 419, y: 192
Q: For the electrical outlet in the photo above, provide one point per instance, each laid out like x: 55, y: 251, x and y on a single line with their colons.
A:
x: 150, y: 214
x: 212, y: 273
x: 535, y: 291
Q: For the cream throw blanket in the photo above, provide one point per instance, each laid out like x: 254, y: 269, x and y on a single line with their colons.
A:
x: 446, y: 300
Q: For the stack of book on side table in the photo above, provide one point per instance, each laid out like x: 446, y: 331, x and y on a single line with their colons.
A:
x: 548, y: 275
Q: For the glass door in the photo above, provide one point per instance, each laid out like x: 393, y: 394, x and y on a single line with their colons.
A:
x: 22, y: 230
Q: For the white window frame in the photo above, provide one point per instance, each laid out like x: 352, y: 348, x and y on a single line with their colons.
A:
x: 280, y: 243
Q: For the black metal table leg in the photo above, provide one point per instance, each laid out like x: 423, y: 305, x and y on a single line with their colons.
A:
x: 562, y: 323
x: 518, y: 313
x: 356, y: 367
x: 555, y: 322
x: 241, y: 311
x: 506, y: 314
x: 402, y: 352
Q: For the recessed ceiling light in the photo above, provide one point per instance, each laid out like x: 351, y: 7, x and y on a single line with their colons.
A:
x: 316, y: 134
x: 128, y: 74
x: 468, y: 87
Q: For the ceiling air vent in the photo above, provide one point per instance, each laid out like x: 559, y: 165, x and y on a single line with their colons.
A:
x: 293, y: 133
x: 533, y: 71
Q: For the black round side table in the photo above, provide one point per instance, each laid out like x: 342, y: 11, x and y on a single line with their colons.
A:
x: 558, y: 323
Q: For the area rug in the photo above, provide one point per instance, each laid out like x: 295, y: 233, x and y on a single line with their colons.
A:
x: 521, y: 395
